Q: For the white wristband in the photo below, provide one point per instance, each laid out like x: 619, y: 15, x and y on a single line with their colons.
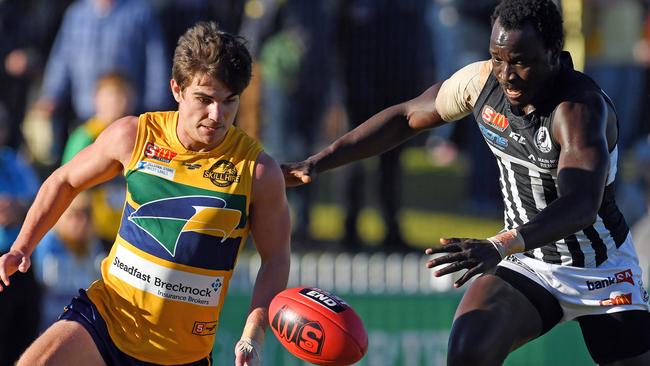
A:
x: 508, y: 242
x: 498, y: 246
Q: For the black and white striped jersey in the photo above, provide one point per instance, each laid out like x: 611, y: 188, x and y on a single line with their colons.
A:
x: 527, y: 157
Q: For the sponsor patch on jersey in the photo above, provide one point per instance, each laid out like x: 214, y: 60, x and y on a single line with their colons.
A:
x: 619, y: 277
x: 493, y: 138
x: 156, y: 169
x: 153, y: 151
x: 494, y: 119
x: 518, y: 137
x: 168, y: 283
x: 166, y: 220
x: 204, y: 328
x: 617, y: 298
x: 222, y: 174
x: 543, y: 140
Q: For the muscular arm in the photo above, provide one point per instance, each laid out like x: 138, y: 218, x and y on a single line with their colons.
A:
x: 580, y: 129
x: 93, y: 165
x: 270, y: 226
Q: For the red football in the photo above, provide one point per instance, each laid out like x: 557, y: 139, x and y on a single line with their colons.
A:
x: 318, y: 326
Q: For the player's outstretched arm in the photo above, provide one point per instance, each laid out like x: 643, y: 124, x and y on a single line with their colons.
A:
x: 270, y: 226
x: 382, y: 132
x: 95, y: 164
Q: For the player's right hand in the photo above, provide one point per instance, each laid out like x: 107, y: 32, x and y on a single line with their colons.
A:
x: 10, y: 263
x: 248, y: 353
x: 475, y: 255
x: 298, y: 173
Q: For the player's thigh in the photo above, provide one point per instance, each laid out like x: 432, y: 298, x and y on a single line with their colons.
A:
x: 64, y: 343
x: 621, y: 338
x: 504, y: 312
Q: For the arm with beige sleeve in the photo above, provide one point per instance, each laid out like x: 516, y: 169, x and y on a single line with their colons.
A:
x: 458, y: 94
x: 456, y: 99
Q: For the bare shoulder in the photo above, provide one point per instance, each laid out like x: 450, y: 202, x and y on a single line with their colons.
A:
x: 585, y: 106
x: 582, y: 114
x: 267, y: 177
x: 118, y: 139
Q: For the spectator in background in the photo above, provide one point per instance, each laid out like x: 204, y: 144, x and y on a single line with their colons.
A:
x: 379, y: 67
x: 97, y: 36
x: 45, y: 19
x: 612, y: 31
x: 460, y: 30
x: 641, y: 229
x: 19, y: 306
x: 178, y: 15
x: 291, y: 41
x: 18, y: 63
x: 67, y: 259
x: 113, y: 100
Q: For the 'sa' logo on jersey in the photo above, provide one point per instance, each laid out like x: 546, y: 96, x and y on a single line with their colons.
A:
x: 166, y: 220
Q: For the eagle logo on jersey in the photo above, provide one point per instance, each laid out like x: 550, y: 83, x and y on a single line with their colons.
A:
x: 166, y: 220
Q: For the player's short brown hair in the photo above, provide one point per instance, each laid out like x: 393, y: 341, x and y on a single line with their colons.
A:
x: 206, y: 50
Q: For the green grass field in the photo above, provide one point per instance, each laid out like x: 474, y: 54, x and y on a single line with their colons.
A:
x: 421, y: 228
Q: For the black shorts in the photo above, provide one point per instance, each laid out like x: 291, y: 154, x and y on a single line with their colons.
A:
x: 608, y: 337
x: 84, y: 312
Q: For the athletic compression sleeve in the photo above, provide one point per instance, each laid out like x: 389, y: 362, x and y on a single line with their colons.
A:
x: 458, y: 94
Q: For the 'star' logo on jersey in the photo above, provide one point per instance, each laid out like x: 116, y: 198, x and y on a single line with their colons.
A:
x: 166, y: 220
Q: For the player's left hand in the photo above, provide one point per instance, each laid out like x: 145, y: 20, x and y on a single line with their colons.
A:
x: 475, y: 255
x: 248, y: 353
x: 298, y: 173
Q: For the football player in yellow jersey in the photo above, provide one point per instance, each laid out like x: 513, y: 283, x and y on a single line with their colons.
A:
x: 131, y: 315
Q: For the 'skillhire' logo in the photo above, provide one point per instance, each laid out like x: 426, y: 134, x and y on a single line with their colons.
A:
x: 167, y: 219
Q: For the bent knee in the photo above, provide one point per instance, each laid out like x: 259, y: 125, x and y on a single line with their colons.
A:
x: 462, y: 352
x: 476, y: 342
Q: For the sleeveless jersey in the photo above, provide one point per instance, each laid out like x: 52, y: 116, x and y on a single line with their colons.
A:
x: 185, y: 220
x: 527, y: 156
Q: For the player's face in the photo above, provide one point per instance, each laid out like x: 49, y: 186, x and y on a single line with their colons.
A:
x: 520, y: 63
x: 206, y: 110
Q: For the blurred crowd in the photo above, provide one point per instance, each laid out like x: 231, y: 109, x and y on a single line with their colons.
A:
x: 71, y: 67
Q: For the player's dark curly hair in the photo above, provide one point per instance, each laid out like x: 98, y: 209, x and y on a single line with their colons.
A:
x: 544, y: 15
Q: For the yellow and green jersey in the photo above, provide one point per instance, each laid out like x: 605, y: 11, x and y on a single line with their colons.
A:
x: 184, y: 223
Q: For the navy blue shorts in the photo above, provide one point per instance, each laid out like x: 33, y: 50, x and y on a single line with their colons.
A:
x: 84, y: 312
